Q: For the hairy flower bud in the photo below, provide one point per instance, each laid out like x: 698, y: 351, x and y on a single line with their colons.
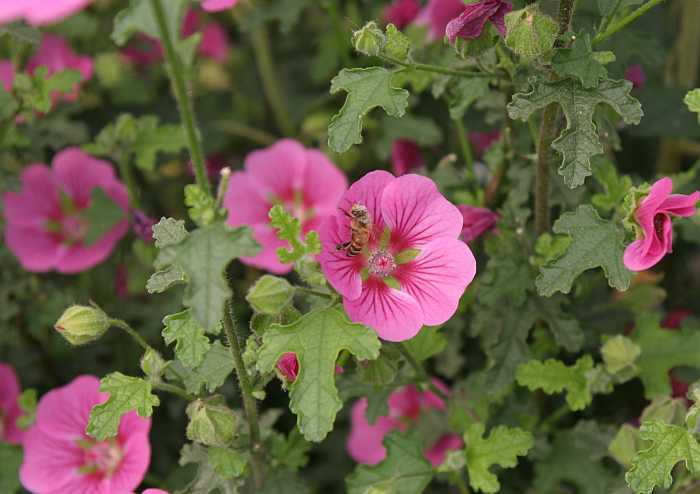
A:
x: 212, y: 423
x: 81, y: 324
x: 369, y: 40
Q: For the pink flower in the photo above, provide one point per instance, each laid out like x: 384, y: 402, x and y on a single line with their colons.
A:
x: 215, y: 42
x: 437, y: 14
x: 214, y: 164
x: 654, y: 217
x: 413, y: 269
x: 155, y: 491
x: 143, y: 226
x: 9, y: 408
x: 7, y: 74
x: 45, y: 228
x: 217, y: 5
x: 675, y: 318
x: 303, y: 180
x: 39, y: 12
x: 471, y: 22
x: 476, y: 221
x: 59, y: 458
x: 406, y: 405
x: 56, y: 55
x: 405, y: 156
x: 481, y: 141
x: 636, y: 75
x: 143, y: 50
x: 401, y: 12
x: 288, y: 366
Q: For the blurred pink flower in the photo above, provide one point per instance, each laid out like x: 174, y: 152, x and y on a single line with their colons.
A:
x: 414, y: 268
x: 481, y: 141
x: 155, y: 491
x: 675, y: 318
x: 288, y: 365
x: 9, y: 408
x: 476, y: 221
x: 653, y: 214
x: 217, y: 5
x: 143, y: 50
x: 215, y: 42
x: 45, y: 228
x: 56, y: 55
x: 636, y: 75
x: 303, y: 180
x: 405, y: 156
x: 7, y: 74
x: 471, y: 22
x: 214, y: 163
x: 401, y: 12
x: 39, y: 12
x: 143, y: 226
x: 364, y: 444
x: 437, y: 14
x: 59, y: 458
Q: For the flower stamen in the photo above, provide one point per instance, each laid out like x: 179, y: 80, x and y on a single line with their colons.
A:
x: 381, y: 263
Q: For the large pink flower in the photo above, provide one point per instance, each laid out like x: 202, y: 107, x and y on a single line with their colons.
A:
x: 39, y: 12
x: 437, y: 14
x: 303, y: 180
x: 45, y: 228
x: 406, y: 404
x: 414, y: 269
x: 59, y: 458
x: 9, y: 408
x: 477, y: 221
x: 401, y: 12
x: 471, y: 22
x: 654, y: 217
x: 217, y: 5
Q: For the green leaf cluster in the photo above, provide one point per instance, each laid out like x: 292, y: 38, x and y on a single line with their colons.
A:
x: 289, y: 229
x: 553, y: 376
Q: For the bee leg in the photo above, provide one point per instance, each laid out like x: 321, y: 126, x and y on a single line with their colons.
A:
x: 342, y: 246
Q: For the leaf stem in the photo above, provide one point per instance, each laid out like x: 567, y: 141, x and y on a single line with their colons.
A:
x: 172, y: 389
x: 124, y: 326
x: 434, y: 68
x: 128, y: 176
x: 238, y: 129
x: 311, y: 291
x: 420, y: 371
x: 625, y: 21
x: 553, y: 418
x: 249, y: 405
x: 182, y: 96
x: 466, y: 147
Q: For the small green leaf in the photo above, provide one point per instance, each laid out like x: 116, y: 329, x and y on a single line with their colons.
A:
x: 369, y: 39
x: 21, y: 32
x: 692, y: 101
x: 531, y: 34
x: 101, y: 216
x: 398, y: 45
x: 200, y: 206
x: 164, y: 279
x: 153, y: 364
x: 464, y: 92
x: 270, y: 295
x: 191, y: 342
x: 317, y: 338
x: 625, y: 445
x: 206, y: 479
x: 227, y: 463
x: 619, y: 355
x: 553, y: 376
x: 404, y: 470
x: 428, y: 342
x: 36, y: 90
x: 380, y: 371
x: 579, y: 62
x: 502, y: 447
x: 614, y: 185
x: 291, y: 451
x: 595, y: 243
x: 216, y: 366
x: 27, y: 402
x: 289, y: 228
x: 125, y: 394
x: 168, y: 232
x: 367, y: 88
x: 565, y: 328
x: 211, y: 423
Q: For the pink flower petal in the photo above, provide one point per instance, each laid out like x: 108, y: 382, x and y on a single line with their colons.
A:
x: 405, y: 403
x: 401, y: 12
x: 681, y: 204
x: 470, y: 23
x: 267, y: 258
x: 431, y: 401
x: 215, y: 42
x: 278, y: 170
x: 36, y: 250
x: 40, y: 12
x: 368, y: 192
x: 245, y: 204
x: 36, y: 202
x: 341, y: 270
x: 80, y: 257
x: 288, y: 365
x: 438, y: 451
x: 438, y: 13
x: 9, y: 408
x: 324, y: 183
x: 477, y: 221
x: 137, y: 456
x: 78, y: 173
x: 364, y: 443
x: 49, y: 462
x: 636, y: 75
x: 217, y: 5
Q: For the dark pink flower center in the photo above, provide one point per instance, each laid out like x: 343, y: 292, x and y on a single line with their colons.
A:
x: 101, y: 458
x: 659, y: 225
x: 381, y: 263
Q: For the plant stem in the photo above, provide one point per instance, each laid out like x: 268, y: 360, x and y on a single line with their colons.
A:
x: 123, y: 325
x: 182, y: 96
x: 608, y: 18
x: 268, y: 74
x: 461, y: 484
x: 434, y: 68
x: 172, y: 389
x: 420, y: 371
x: 251, y: 410
x: 128, y: 177
x: 242, y: 130
x: 311, y: 291
x: 223, y: 187
x: 466, y: 147
x: 625, y: 21
x: 553, y: 418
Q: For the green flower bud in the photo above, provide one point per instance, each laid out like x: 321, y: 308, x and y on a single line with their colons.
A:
x: 369, y: 40
x: 80, y: 324
x: 212, y: 423
x: 152, y: 364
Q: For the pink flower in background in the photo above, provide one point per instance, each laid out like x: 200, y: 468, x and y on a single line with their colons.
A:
x: 477, y: 221
x: 288, y: 365
x: 143, y: 226
x: 44, y: 225
x: 405, y: 156
x: 636, y: 75
x: 406, y: 405
x: 59, y: 458
x: 9, y: 408
x: 217, y: 5
x: 39, y: 12
x: 7, y: 74
x: 437, y: 14
x: 675, y: 318
x: 482, y: 141
x: 303, y: 180
x: 56, y: 55
x: 155, y: 491
x: 143, y: 50
x: 654, y: 214
x: 471, y: 22
x: 413, y: 270
x: 215, y: 42
x: 214, y: 164
x: 401, y: 12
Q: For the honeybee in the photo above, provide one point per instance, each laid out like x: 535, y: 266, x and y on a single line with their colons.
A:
x: 360, y: 229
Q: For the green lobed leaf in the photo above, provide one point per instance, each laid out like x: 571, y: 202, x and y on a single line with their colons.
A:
x: 139, y: 17
x: 692, y: 101
x: 398, y: 45
x: 211, y: 373
x: 36, y: 90
x: 380, y: 371
x: 464, y: 93
x: 502, y: 447
x: 367, y: 88
x: 227, y: 463
x: 317, y: 338
x: 168, y: 232
x: 595, y: 243
x: 201, y: 207
x: 126, y: 393
x: 579, y: 62
x: 291, y: 452
x: 270, y: 295
x: 288, y: 228
x: 206, y: 480
x: 565, y: 328
x: 191, y: 342
x: 404, y: 470
x: 614, y: 185
x: 531, y: 34
x: 102, y: 215
x: 553, y: 376
x: 579, y: 142
x: 428, y: 342
x: 620, y: 355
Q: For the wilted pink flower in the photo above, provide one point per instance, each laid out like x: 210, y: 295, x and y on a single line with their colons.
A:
x: 217, y: 5
x: 303, y: 180
x: 405, y: 156
x: 288, y: 366
x: 9, y: 408
x: 56, y: 55
x: 481, y: 141
x: 437, y: 14
x: 636, y: 75
x: 401, y: 12
x: 59, y: 458
x: 653, y: 214
x: 406, y: 405
x: 39, y: 12
x: 45, y: 228
x: 413, y: 270
x: 143, y: 226
x: 471, y: 22
x: 476, y: 221
x: 7, y: 74
x: 214, y: 43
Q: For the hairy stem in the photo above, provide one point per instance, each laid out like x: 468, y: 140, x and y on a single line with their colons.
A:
x: 625, y: 21
x: 124, y: 326
x: 424, y: 67
x: 251, y: 410
x: 184, y: 102
x: 172, y: 389
x: 311, y: 291
x: 466, y: 147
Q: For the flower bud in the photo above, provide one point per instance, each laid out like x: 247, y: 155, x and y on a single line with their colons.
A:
x: 81, y: 324
x: 212, y: 423
x: 369, y: 40
x: 152, y: 364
